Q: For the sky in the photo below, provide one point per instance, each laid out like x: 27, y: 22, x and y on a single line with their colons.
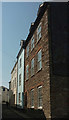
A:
x: 16, y: 21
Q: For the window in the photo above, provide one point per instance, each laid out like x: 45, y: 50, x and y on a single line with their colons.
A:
x: 39, y: 32
x: 19, y: 97
x: 39, y: 64
x: 27, y: 72
x: 40, y: 97
x: 27, y: 54
x: 32, y: 98
x: 32, y: 43
x: 20, y: 62
x: 15, y: 82
x: 32, y: 67
x: 3, y: 89
x: 19, y: 79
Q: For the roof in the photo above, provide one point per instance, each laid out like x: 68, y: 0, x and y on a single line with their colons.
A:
x: 4, y: 87
x: 41, y: 13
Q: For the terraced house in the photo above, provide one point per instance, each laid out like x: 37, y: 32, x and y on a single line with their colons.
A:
x: 20, y: 76
x: 45, y: 67
x: 13, y: 87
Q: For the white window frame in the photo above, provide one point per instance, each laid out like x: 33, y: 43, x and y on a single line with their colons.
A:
x: 39, y: 60
x: 32, y: 67
x: 32, y: 43
x: 27, y: 51
x: 32, y: 98
x: 39, y: 107
x: 27, y: 72
x: 39, y: 32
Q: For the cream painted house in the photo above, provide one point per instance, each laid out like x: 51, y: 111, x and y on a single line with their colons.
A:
x: 14, y: 84
x: 4, y: 94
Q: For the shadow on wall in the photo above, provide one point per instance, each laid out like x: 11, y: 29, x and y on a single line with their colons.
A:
x: 11, y: 98
x: 32, y: 113
x: 59, y: 60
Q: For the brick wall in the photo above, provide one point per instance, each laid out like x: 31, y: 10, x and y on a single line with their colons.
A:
x: 41, y: 77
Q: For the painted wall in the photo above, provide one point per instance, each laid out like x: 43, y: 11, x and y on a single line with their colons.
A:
x: 20, y: 88
x: 14, y: 83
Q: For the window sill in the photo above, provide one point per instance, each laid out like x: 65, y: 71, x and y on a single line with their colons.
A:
x: 32, y: 49
x: 32, y: 75
x: 26, y: 80
x: 38, y: 41
x: 27, y: 57
x: 40, y: 107
x: 38, y: 70
x: 32, y: 106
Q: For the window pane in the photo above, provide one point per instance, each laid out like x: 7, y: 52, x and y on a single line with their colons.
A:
x: 27, y: 71
x: 39, y: 60
x: 27, y: 54
x: 32, y: 43
x: 39, y: 32
x: 32, y: 66
x: 32, y: 98
x: 40, y: 96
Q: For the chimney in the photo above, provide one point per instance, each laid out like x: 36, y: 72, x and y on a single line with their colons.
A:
x: 40, y: 6
x: 32, y: 24
x: 22, y: 43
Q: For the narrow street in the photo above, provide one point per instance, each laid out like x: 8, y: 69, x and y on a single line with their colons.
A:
x: 9, y: 113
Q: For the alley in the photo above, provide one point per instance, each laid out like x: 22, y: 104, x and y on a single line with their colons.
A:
x: 18, y: 114
x: 9, y: 113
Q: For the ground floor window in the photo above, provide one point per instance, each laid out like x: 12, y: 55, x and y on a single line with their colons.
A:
x: 40, y: 97
x: 32, y: 98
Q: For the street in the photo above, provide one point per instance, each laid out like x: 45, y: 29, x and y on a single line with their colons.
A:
x: 9, y: 113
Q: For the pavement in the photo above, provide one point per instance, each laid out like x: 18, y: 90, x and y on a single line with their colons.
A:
x: 9, y: 113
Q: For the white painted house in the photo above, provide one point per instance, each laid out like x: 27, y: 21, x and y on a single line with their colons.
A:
x: 20, y: 76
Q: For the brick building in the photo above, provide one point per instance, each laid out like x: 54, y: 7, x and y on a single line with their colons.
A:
x: 45, y: 78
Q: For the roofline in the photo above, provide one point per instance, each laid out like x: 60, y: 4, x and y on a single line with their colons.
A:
x: 42, y: 11
x: 4, y: 87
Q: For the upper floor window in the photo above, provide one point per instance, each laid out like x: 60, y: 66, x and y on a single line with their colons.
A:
x: 39, y: 62
x: 39, y: 32
x: 19, y: 79
x: 32, y: 67
x: 40, y: 97
x: 3, y: 89
x: 20, y: 62
x: 27, y: 51
x: 32, y: 43
x: 32, y: 98
x: 15, y: 82
x: 27, y: 72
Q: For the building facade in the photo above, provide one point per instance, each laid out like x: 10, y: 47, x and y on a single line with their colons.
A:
x: 20, y: 76
x: 4, y: 93
x: 45, y: 82
x: 37, y: 71
x: 13, y: 85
